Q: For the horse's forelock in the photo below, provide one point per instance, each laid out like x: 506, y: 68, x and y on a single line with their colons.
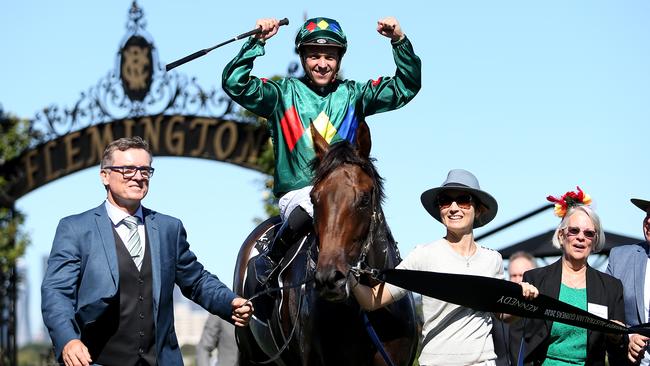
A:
x: 344, y: 152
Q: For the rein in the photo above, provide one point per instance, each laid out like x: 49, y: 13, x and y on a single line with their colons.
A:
x: 375, y: 340
x: 295, y: 324
x: 271, y: 290
x: 293, y: 328
x: 362, y: 267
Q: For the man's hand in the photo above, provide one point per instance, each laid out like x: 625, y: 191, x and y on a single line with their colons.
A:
x: 75, y: 353
x: 242, y: 311
x: 389, y: 27
x: 636, y: 347
x: 269, y: 28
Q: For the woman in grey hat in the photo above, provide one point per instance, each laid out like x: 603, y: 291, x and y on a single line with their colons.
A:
x: 452, y: 334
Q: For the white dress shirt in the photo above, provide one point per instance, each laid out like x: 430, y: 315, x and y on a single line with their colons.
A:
x: 117, y: 215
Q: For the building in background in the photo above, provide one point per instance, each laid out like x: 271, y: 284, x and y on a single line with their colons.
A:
x: 189, y: 320
x: 23, y: 324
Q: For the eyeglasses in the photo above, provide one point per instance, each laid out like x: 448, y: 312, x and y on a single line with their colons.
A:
x: 129, y: 171
x: 574, y: 231
x: 463, y: 201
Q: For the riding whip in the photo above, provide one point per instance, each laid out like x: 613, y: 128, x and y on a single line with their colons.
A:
x: 204, y: 51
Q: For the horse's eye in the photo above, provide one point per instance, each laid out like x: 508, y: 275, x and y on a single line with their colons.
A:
x: 364, y: 200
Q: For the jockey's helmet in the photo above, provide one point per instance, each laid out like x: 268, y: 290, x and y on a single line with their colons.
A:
x: 321, y: 32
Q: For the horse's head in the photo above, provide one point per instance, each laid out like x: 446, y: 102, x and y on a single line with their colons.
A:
x: 347, y: 193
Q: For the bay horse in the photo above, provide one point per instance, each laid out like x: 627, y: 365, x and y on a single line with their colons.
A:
x: 315, y: 319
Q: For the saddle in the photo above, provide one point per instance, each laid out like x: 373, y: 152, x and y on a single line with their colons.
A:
x: 271, y: 308
x: 301, y: 253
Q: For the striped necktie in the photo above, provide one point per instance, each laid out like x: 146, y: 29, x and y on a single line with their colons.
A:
x: 133, y: 243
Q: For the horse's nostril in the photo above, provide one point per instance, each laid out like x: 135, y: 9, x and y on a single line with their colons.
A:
x: 329, y: 279
x: 338, y: 277
x: 321, y: 279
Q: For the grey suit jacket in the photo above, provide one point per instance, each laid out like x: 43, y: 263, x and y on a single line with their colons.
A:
x: 628, y: 264
x: 82, y: 278
x: 219, y: 334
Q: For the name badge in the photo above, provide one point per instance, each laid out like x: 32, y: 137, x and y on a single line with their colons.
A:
x: 598, y: 310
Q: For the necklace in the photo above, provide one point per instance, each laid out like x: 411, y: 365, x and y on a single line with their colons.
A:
x: 469, y: 257
x: 467, y: 260
x: 576, y: 284
x: 574, y: 280
x: 459, y: 251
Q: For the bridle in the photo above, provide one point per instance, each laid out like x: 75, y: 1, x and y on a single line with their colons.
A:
x: 362, y: 267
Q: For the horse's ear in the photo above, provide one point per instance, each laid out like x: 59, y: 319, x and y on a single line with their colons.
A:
x: 364, y: 142
x: 320, y: 144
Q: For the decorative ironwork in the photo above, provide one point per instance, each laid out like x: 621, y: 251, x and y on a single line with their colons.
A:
x: 137, y: 86
x: 136, y: 68
x: 136, y: 21
x: 173, y: 110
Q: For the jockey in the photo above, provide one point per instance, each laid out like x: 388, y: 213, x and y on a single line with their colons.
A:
x: 334, y: 106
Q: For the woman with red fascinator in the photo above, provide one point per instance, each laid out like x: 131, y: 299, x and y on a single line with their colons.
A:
x: 573, y: 281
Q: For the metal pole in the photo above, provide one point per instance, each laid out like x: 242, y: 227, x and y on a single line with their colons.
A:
x: 515, y: 221
x: 8, y: 308
x: 13, y: 360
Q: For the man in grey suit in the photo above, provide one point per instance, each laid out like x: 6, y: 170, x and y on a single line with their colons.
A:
x: 629, y: 263
x: 219, y: 334
x: 107, y: 295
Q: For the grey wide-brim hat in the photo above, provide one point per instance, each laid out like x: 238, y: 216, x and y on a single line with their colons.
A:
x: 461, y: 180
x: 642, y: 204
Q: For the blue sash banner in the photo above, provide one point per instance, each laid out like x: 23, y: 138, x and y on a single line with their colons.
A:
x: 500, y: 296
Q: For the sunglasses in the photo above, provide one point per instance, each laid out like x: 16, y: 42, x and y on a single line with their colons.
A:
x: 574, y: 231
x: 463, y: 201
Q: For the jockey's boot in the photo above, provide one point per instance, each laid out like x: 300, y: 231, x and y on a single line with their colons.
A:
x: 267, y: 264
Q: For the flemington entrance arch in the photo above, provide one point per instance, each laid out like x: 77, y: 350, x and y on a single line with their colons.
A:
x: 170, y: 110
x: 214, y: 138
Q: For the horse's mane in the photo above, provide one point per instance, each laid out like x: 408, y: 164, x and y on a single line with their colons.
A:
x: 344, y: 152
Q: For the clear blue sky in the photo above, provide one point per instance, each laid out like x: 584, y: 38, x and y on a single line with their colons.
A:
x: 533, y: 97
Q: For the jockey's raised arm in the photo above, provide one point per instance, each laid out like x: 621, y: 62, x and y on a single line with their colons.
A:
x: 334, y: 106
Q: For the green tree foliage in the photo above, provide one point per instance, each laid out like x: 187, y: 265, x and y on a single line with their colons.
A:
x: 36, y: 354
x: 14, y: 139
x: 13, y: 240
x: 266, y: 161
x: 189, y: 354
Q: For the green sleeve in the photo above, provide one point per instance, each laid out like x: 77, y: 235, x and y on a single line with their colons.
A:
x: 259, y: 96
x: 388, y: 93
